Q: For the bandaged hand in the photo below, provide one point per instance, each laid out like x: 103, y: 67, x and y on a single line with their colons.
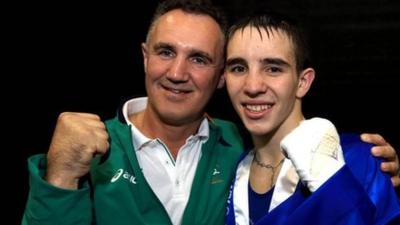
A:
x: 315, y: 151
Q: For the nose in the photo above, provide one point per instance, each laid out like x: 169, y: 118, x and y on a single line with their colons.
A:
x: 254, y: 84
x: 178, y: 71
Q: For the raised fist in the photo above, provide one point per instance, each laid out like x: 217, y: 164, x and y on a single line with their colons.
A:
x: 76, y: 139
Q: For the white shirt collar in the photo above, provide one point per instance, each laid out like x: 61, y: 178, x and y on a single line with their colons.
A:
x: 136, y: 105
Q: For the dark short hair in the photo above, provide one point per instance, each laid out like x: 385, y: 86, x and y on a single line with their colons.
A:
x: 198, y: 7
x: 270, y: 21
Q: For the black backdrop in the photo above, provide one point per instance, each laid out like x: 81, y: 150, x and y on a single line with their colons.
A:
x: 86, y: 57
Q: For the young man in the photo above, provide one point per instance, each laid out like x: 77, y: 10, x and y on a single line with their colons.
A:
x: 166, y: 162
x: 267, y: 75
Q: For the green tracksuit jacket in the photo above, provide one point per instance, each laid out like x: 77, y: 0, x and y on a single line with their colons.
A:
x: 116, y: 191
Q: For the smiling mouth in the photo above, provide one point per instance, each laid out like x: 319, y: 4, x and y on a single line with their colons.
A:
x: 176, y: 91
x: 257, y: 108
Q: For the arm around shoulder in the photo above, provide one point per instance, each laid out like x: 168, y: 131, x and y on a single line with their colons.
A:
x: 375, y: 182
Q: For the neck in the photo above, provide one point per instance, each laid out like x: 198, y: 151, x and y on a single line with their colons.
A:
x: 264, y: 172
x: 174, y: 136
x: 268, y: 152
x: 268, y: 144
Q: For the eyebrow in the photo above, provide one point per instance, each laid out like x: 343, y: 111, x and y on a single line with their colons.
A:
x: 233, y: 61
x: 275, y: 61
x: 265, y: 61
x: 163, y: 45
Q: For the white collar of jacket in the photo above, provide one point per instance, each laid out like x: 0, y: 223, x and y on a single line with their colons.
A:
x: 284, y: 187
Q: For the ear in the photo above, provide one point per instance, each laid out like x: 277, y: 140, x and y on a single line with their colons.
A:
x: 306, y: 79
x: 145, y: 55
x: 221, y: 82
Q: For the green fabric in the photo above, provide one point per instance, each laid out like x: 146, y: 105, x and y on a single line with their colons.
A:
x: 127, y: 198
x: 209, y: 194
x: 48, y: 204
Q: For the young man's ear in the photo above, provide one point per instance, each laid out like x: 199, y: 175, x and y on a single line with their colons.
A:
x: 306, y: 79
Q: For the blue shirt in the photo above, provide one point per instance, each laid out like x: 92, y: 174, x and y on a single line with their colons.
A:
x: 258, y: 204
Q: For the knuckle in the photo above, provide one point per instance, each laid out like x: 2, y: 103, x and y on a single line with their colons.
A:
x: 64, y: 116
x: 107, y: 145
x: 91, y: 116
x: 103, y: 125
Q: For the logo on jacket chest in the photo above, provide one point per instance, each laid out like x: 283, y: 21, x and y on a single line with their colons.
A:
x: 216, y: 175
x: 124, y: 175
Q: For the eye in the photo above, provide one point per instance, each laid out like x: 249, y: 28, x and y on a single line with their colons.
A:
x: 238, y: 69
x: 273, y: 69
x: 199, y: 60
x: 165, y: 53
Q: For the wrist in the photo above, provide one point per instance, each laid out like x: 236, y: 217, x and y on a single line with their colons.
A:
x: 62, y: 181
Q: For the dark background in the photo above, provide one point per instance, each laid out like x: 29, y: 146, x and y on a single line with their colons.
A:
x: 86, y: 57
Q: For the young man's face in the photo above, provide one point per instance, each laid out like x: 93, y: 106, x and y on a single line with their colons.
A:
x: 182, y: 60
x: 261, y: 78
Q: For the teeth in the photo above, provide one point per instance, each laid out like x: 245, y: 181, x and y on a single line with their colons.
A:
x: 257, y: 108
x: 175, y: 91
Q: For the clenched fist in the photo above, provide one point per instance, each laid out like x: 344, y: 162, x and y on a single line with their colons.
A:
x: 315, y: 151
x: 76, y: 139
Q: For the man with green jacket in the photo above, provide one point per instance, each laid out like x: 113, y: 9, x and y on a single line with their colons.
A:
x: 166, y: 161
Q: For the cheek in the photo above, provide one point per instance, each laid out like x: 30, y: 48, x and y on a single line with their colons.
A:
x: 287, y: 88
x: 206, y: 80
x: 155, y: 69
x: 231, y: 85
x: 288, y: 96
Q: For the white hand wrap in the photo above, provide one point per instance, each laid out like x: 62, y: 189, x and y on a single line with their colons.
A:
x: 315, y: 151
